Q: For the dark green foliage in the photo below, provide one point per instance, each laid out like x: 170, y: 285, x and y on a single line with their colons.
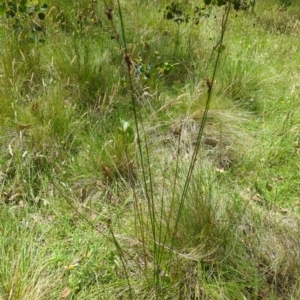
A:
x: 237, y: 4
x: 184, y: 14
x: 221, y: 2
x: 27, y: 17
x: 175, y: 12
x: 285, y: 3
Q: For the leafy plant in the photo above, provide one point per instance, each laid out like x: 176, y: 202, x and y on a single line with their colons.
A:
x: 127, y: 132
x: 29, y: 17
x: 285, y: 3
x: 237, y: 4
x: 119, y: 155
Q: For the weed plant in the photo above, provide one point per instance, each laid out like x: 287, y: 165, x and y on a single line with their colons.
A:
x: 149, y: 150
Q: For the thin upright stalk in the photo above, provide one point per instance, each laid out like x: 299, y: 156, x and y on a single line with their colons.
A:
x: 210, y: 83
x: 138, y: 121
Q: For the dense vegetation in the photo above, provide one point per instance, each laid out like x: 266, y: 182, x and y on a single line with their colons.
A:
x: 149, y: 150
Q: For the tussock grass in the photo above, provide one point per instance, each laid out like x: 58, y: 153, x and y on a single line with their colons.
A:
x: 96, y: 201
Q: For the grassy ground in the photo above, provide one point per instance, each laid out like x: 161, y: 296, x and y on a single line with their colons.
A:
x: 96, y: 200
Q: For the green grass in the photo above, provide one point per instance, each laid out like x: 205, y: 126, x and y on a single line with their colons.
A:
x: 96, y: 201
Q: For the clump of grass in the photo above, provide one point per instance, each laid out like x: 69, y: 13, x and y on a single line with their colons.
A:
x: 24, y: 263
x: 280, y: 21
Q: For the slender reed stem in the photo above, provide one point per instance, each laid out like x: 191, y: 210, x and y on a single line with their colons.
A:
x: 138, y: 119
x: 210, y: 84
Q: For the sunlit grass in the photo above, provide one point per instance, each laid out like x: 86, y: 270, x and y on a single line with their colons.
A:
x: 84, y: 215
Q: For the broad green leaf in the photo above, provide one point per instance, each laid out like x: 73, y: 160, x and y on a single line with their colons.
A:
x: 10, y: 14
x: 41, y: 16
x: 22, y: 8
x: 12, y: 6
x: 44, y: 7
x: 2, y: 9
x: 130, y: 135
x: 125, y: 125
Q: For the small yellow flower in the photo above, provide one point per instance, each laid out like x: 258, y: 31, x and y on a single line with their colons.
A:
x: 71, y: 267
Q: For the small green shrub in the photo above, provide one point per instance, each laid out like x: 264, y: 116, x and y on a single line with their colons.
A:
x: 27, y: 20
